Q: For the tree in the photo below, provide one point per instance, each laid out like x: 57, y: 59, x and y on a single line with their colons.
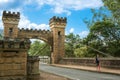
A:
x: 104, y: 33
x: 40, y: 49
x: 103, y: 36
x: 71, y: 43
x: 101, y: 14
x: 81, y: 52
x: 114, y: 7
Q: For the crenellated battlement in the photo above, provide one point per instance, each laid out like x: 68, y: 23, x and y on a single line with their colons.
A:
x: 31, y: 30
x: 8, y: 43
x: 58, y: 19
x: 8, y: 14
x: 58, y: 22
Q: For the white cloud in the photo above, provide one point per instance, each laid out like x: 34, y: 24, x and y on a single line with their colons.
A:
x: 5, y: 1
x: 71, y: 30
x: 83, y: 34
x: 60, y: 10
x: 57, y: 6
x: 65, y: 6
x: 25, y: 23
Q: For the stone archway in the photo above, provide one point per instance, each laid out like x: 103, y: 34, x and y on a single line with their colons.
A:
x: 55, y: 37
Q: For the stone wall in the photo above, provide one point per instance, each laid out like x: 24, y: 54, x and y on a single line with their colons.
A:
x: 33, y: 68
x: 13, y: 59
x: 13, y: 65
x: 104, y: 62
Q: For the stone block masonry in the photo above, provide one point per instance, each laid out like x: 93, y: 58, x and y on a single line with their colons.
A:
x: 33, y: 68
x: 13, y: 60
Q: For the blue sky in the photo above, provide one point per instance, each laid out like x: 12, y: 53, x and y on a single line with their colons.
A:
x: 36, y: 13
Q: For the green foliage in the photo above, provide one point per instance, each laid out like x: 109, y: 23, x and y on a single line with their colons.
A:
x: 101, y: 14
x: 105, y: 37
x: 81, y: 52
x: 104, y: 29
x: 71, y: 43
x: 114, y: 7
x: 74, y: 47
x: 39, y: 48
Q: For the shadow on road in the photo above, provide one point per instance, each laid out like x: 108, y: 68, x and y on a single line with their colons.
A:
x: 50, y: 76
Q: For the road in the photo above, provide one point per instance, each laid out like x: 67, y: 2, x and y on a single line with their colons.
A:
x: 78, y: 74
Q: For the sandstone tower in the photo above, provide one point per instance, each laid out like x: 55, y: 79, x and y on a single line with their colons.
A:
x: 10, y: 22
x: 57, y: 26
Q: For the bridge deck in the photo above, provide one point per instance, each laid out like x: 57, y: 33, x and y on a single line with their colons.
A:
x: 76, y: 74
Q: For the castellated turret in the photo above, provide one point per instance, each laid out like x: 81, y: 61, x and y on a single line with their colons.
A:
x: 11, y: 15
x: 57, y: 25
x: 58, y: 22
x: 10, y: 22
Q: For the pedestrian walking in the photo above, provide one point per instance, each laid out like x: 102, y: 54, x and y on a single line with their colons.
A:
x: 97, y: 61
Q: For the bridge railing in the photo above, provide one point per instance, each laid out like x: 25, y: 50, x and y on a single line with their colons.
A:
x: 104, y: 62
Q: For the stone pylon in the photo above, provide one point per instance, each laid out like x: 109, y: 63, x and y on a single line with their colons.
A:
x: 57, y: 26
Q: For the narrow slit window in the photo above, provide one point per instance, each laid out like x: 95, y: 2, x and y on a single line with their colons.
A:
x: 10, y: 31
x: 59, y: 33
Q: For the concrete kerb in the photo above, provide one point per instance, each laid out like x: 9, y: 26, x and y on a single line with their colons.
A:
x: 56, y: 65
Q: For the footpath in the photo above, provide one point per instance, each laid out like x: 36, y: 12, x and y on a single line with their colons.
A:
x: 89, y: 68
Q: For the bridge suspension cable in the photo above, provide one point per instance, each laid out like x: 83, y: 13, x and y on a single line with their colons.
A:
x: 37, y: 52
x: 106, y: 54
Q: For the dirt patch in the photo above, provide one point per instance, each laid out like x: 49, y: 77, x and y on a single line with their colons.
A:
x: 49, y: 76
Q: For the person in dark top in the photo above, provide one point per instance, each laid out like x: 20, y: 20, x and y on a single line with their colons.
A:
x: 97, y: 61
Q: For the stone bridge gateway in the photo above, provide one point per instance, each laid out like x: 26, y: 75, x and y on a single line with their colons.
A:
x: 55, y: 38
x: 15, y: 63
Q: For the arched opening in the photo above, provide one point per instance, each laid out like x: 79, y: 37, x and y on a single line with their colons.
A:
x: 42, y: 49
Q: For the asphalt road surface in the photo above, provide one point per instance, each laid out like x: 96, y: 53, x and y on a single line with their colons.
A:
x: 78, y: 74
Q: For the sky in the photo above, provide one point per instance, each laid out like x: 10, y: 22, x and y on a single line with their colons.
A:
x: 35, y: 14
